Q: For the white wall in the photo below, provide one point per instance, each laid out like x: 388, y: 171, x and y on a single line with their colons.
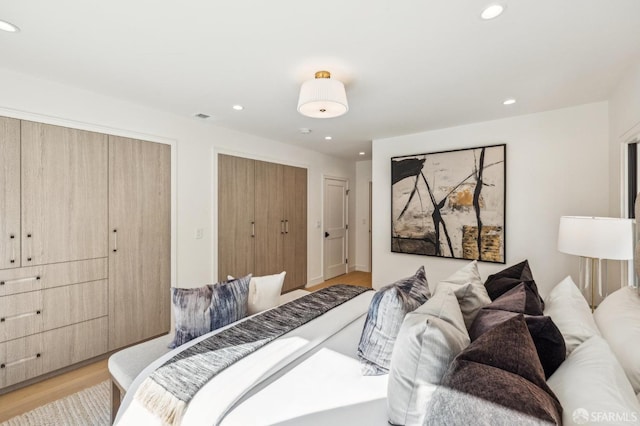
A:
x: 195, y: 143
x: 557, y: 164
x: 363, y: 177
x: 624, y: 119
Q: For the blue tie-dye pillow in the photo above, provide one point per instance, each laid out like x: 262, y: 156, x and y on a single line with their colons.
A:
x: 387, y: 310
x: 198, y: 311
x: 229, y: 302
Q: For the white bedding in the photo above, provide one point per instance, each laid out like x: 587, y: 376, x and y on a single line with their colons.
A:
x: 325, y: 387
x: 211, y: 403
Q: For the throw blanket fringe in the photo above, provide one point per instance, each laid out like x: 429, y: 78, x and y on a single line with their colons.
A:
x: 169, y: 389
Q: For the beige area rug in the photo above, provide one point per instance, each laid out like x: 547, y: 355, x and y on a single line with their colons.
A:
x: 89, y: 407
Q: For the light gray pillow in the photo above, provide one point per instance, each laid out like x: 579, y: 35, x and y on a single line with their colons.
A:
x: 429, y: 339
x: 469, y: 289
x: 386, y: 312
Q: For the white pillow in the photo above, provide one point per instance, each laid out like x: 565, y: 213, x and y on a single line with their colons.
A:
x: 469, y: 289
x: 264, y: 292
x: 571, y: 313
x: 592, y: 387
x: 618, y: 318
x: 429, y: 338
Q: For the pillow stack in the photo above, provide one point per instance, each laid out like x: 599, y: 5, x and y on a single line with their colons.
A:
x: 198, y: 311
x: 497, y: 379
x: 386, y: 312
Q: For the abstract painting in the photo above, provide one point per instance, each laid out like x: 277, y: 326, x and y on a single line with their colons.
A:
x: 450, y: 204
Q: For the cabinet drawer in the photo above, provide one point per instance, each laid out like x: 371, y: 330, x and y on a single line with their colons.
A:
x: 32, y: 356
x: 29, y: 313
x: 13, y: 281
x: 20, y: 315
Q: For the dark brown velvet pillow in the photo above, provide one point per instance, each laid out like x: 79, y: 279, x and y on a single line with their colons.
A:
x: 520, y: 299
x: 501, y: 367
x: 546, y: 336
x: 505, y: 280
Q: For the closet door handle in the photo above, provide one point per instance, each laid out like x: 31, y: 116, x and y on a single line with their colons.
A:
x: 115, y: 240
x: 253, y: 229
x: 12, y: 237
x: 30, y: 256
x: 286, y: 226
x: 282, y: 226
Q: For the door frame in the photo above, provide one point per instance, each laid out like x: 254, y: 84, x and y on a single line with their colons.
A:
x: 346, y: 215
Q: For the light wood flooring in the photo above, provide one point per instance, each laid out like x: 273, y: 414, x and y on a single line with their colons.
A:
x: 30, y: 397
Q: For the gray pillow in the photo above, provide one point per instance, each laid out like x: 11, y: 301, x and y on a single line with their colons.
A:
x: 229, y: 302
x: 386, y: 312
x: 429, y: 339
x: 469, y: 289
x: 191, y: 310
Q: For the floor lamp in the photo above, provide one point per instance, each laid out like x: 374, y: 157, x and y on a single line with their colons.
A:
x: 595, y: 240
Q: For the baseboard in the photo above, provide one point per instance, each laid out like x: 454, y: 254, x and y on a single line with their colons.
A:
x: 314, y: 281
x: 351, y: 268
x: 362, y: 268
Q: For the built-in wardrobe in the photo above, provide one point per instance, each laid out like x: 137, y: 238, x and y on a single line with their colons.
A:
x: 262, y: 219
x: 84, y: 246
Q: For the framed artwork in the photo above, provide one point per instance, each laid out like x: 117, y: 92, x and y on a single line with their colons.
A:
x: 450, y: 204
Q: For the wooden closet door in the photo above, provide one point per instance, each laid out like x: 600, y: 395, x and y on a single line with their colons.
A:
x: 64, y: 194
x: 236, y: 221
x: 269, y: 217
x: 9, y: 193
x: 140, y: 249
x: 295, y: 238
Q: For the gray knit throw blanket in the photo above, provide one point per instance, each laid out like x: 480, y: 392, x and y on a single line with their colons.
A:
x: 168, y: 390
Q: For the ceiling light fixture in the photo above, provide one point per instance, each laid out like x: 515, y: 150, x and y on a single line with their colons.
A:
x: 327, y: 138
x: 492, y: 11
x: 510, y: 101
x: 238, y: 107
x: 322, y: 97
x: 8, y: 27
x: 361, y: 153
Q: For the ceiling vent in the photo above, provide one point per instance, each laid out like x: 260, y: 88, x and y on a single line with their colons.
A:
x: 202, y: 116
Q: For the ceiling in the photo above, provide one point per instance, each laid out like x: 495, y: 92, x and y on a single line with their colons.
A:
x: 408, y: 65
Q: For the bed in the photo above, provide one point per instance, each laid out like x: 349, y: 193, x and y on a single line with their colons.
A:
x: 312, y: 375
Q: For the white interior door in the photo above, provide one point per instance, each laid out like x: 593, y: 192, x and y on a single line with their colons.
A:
x: 335, y: 227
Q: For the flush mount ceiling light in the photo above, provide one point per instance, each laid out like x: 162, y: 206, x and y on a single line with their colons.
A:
x: 327, y: 138
x: 238, y: 107
x: 510, y: 101
x: 492, y: 11
x: 322, y: 97
x: 8, y: 27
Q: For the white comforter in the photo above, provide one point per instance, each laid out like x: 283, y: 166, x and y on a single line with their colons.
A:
x: 283, y: 380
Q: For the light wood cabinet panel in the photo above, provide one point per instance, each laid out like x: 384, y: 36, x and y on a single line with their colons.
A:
x: 70, y: 304
x: 139, y: 260
x: 9, y: 193
x: 13, y: 281
x: 295, y: 238
x: 64, y: 194
x: 236, y: 222
x: 269, y: 218
x: 38, y: 354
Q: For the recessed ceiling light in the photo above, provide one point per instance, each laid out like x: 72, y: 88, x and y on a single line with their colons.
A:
x: 510, y: 101
x: 361, y: 153
x: 327, y: 138
x: 492, y: 11
x: 8, y: 27
x: 238, y: 107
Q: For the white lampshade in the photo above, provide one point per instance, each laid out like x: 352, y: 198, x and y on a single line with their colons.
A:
x: 322, y: 97
x: 596, y: 237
